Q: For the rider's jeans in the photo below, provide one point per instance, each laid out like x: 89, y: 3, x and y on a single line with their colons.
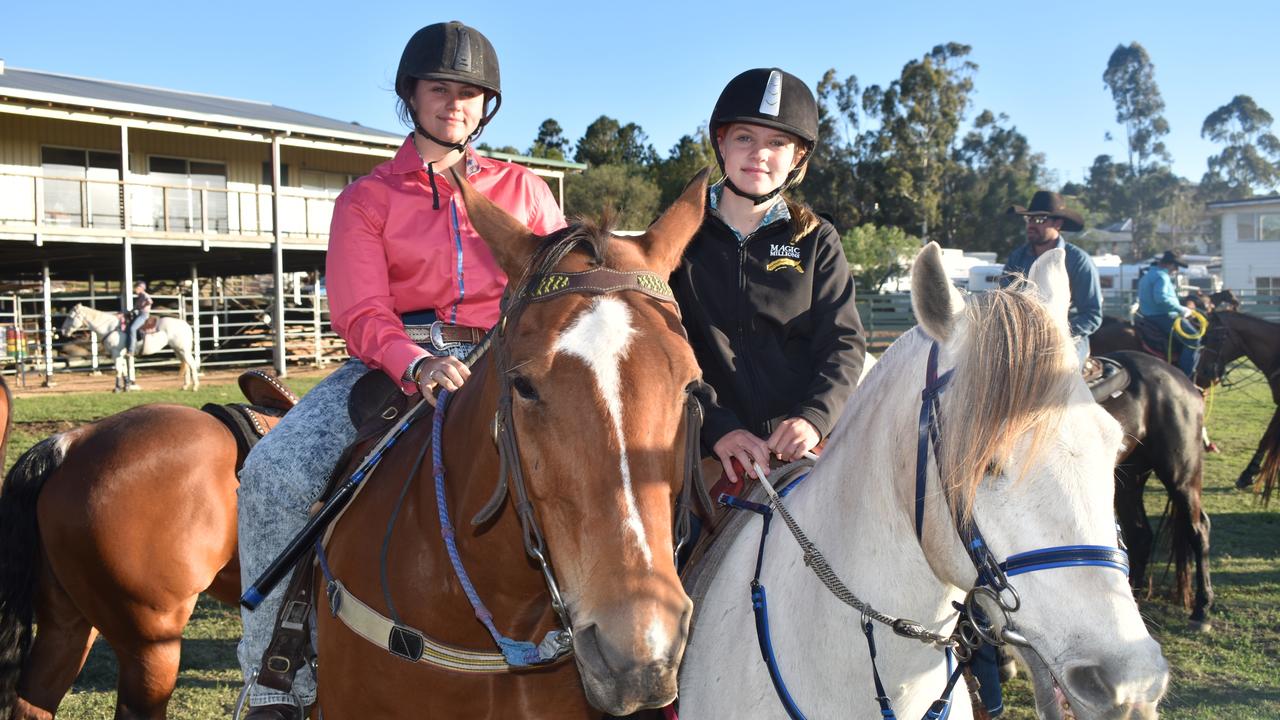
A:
x: 283, y: 476
x: 132, y: 337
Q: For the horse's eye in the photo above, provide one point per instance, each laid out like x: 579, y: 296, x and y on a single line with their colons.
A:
x: 524, y: 387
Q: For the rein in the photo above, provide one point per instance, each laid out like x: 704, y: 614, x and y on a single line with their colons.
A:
x: 972, y: 629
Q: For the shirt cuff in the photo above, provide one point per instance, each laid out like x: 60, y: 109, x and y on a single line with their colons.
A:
x: 396, y: 360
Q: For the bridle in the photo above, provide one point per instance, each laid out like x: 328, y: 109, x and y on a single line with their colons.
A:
x: 692, y: 497
x: 972, y: 628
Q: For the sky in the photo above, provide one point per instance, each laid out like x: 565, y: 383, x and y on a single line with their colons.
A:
x: 662, y: 64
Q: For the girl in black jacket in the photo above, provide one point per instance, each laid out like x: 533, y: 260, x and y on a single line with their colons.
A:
x: 764, y: 287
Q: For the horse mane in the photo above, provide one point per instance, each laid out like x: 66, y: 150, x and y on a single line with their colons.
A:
x: 1014, y: 373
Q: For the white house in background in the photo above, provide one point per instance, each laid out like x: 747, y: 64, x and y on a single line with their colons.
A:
x: 1250, y: 243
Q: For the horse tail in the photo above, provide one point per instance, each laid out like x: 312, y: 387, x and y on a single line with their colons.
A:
x: 1180, y: 539
x: 20, y: 538
x: 1271, y: 465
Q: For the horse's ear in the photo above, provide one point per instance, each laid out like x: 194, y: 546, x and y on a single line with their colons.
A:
x: 665, y: 240
x: 510, y: 241
x: 1049, y: 274
x: 937, y: 303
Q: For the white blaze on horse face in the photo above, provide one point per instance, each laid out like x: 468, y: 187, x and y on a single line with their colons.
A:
x: 600, y: 337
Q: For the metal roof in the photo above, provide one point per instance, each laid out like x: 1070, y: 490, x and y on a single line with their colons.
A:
x: 1261, y: 200
x: 37, y: 85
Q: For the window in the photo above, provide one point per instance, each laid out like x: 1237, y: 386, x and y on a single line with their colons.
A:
x: 81, y: 187
x: 176, y: 205
x: 1258, y: 227
x: 1267, y: 285
x: 1269, y: 227
x: 266, y: 174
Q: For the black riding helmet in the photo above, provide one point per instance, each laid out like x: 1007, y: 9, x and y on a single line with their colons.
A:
x: 449, y: 51
x: 773, y: 98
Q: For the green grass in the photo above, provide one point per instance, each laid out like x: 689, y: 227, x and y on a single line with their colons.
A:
x: 1229, y: 674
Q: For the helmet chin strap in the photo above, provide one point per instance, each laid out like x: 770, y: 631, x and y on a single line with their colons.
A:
x: 756, y: 199
x: 452, y: 146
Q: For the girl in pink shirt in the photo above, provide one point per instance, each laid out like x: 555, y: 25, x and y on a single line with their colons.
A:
x: 411, y: 289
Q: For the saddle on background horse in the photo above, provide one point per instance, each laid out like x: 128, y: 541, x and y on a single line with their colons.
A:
x: 147, y: 328
x: 1105, y: 377
x: 249, y: 422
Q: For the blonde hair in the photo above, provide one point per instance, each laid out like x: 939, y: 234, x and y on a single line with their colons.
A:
x: 1018, y: 368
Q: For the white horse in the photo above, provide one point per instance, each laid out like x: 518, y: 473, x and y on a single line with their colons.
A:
x: 1027, y: 455
x: 170, y: 332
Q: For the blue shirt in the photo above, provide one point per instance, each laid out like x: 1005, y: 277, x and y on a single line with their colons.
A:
x: 777, y: 210
x: 1156, y: 294
x: 1085, y: 315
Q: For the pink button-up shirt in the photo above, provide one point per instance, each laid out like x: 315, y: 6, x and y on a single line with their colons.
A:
x: 391, y: 253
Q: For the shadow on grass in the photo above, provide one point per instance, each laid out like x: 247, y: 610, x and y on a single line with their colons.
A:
x: 200, y: 658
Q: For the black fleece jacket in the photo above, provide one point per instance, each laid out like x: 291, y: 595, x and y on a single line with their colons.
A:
x: 773, y: 324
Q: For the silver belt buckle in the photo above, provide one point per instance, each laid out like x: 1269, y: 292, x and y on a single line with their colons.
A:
x: 437, y: 337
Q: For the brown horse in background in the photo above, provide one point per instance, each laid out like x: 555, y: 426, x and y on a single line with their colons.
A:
x: 114, y: 527
x: 1231, y: 336
x: 597, y: 385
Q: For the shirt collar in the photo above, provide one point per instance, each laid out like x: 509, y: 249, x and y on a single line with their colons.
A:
x: 777, y: 211
x: 407, y: 160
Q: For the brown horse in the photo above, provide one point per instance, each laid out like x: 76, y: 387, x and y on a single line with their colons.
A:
x: 596, y: 382
x: 1231, y: 336
x: 114, y: 527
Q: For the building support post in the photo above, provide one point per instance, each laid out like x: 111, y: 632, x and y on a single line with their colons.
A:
x: 126, y: 281
x: 93, y: 336
x: 195, y: 311
x: 277, y: 254
x: 46, y: 288
x: 315, y: 314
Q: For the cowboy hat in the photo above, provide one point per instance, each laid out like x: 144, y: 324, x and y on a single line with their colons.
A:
x: 1052, y: 205
x: 1171, y: 258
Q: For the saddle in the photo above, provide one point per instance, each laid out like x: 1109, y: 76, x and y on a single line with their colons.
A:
x: 147, y: 328
x: 249, y: 422
x: 1105, y: 377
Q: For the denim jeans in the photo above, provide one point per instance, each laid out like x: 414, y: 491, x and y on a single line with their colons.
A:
x: 131, y: 340
x: 283, y: 476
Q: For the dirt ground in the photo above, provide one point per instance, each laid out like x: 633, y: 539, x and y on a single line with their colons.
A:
x: 160, y: 379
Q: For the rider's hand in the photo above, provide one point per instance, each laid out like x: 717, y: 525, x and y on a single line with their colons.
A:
x: 1186, y: 311
x: 444, y: 371
x: 793, y: 438
x: 744, y: 447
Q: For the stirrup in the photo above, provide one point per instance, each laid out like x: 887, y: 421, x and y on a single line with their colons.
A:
x: 242, y: 700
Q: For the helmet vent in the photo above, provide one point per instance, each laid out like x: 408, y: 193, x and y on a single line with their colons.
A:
x: 772, y: 100
x: 462, y: 56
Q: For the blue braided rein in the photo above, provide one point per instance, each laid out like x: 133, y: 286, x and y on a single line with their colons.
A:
x: 518, y: 653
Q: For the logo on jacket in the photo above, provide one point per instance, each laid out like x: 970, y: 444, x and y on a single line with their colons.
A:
x: 784, y: 256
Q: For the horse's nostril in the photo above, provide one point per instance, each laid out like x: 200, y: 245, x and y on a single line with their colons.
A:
x: 586, y: 645
x: 1089, y: 683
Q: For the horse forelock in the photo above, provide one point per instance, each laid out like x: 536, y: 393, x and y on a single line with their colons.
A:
x: 1015, y: 372
x: 591, y: 239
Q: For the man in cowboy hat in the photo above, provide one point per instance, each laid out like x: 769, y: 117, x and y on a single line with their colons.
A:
x: 1159, y: 307
x: 1047, y: 217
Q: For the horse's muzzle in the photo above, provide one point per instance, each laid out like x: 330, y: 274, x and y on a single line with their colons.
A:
x: 620, y: 681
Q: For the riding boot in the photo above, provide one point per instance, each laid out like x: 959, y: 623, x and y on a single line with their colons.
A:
x: 275, y: 712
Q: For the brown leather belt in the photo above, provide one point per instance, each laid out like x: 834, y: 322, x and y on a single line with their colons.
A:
x: 441, y: 334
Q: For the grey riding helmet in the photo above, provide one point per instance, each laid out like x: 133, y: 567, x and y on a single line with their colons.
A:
x: 773, y: 98
x: 450, y: 51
